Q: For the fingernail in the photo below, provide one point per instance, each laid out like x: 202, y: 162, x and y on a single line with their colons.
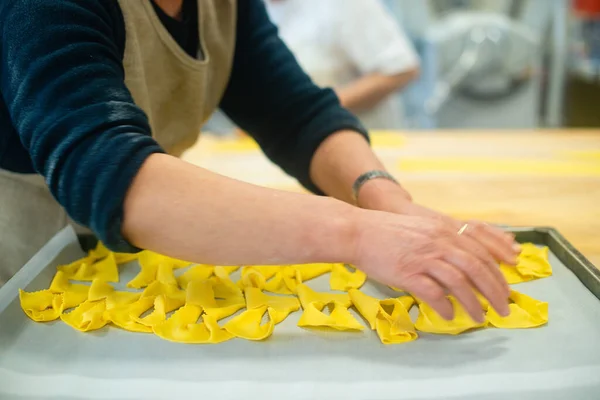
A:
x: 505, y: 311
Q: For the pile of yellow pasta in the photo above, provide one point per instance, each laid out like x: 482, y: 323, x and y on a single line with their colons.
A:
x: 207, y: 293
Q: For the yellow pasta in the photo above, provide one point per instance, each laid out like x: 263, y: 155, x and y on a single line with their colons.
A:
x: 314, y: 303
x: 342, y: 279
x: 183, y: 327
x: 525, y: 312
x: 392, y: 327
x: 532, y: 264
x: 205, y: 294
x: 248, y: 324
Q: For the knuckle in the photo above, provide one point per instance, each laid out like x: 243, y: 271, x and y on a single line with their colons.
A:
x: 436, y: 294
x: 476, y: 227
x: 425, y: 288
x: 478, y: 270
x: 457, y: 279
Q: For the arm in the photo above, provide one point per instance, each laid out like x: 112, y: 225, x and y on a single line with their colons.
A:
x: 273, y: 100
x: 68, y: 101
x: 62, y: 80
x: 369, y: 90
x: 167, y: 209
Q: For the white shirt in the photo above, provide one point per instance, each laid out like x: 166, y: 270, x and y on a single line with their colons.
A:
x: 337, y: 41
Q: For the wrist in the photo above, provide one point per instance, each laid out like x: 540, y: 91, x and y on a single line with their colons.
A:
x: 333, y: 240
x: 383, y: 195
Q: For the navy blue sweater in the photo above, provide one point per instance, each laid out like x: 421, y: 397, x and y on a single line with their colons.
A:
x: 66, y: 113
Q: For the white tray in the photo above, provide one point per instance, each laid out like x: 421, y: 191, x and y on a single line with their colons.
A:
x: 53, y: 361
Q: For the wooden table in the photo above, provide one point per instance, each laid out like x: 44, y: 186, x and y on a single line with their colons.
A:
x: 544, y: 178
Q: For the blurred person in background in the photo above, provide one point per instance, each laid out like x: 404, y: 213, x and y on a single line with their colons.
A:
x: 355, y: 47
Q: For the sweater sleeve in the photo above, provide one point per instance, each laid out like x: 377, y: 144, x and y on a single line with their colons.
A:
x: 62, y: 79
x: 271, y: 98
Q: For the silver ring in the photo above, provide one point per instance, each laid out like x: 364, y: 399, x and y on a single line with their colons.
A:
x: 464, y: 228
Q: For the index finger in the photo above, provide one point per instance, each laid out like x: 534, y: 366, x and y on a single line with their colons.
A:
x: 499, y: 243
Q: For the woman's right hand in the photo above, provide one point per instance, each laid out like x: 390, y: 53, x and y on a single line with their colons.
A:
x: 428, y: 259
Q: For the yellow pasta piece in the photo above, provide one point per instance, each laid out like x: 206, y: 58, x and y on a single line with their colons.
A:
x: 73, y: 294
x: 532, y: 264
x: 71, y: 268
x: 280, y: 306
x: 280, y: 279
x: 48, y: 305
x: 106, y: 269
x: 174, y: 297
x: 41, y: 306
x: 149, y: 268
x: 283, y: 282
x: 201, y: 294
x: 60, y: 284
x: 407, y: 302
x: 313, y: 304
x: 224, y: 288
x: 145, y: 277
x: 126, y: 316
x: 257, y: 276
x: 99, y: 252
x: 148, y: 257
x: 392, y: 328
x: 430, y: 321
x: 401, y: 330
x: 158, y: 315
x: 196, y: 273
x: 104, y: 291
x: 342, y: 279
x: 308, y: 296
x: 251, y: 278
x: 228, y: 269
x: 87, y: 269
x: 164, y: 274
x: 267, y: 271
x: 100, y: 290
x: 339, y: 318
x: 525, y: 312
x: 88, y: 316
x: 183, y: 327
x: 306, y: 272
x: 248, y: 326
x: 287, y: 280
x: 270, y: 278
x: 123, y: 258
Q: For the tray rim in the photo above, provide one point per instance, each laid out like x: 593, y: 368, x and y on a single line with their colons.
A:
x: 34, y: 266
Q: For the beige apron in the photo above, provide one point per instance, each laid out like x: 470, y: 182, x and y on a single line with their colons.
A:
x: 177, y: 92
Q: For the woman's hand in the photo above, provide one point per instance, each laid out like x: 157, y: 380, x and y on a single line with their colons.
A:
x: 428, y: 258
x: 387, y: 196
